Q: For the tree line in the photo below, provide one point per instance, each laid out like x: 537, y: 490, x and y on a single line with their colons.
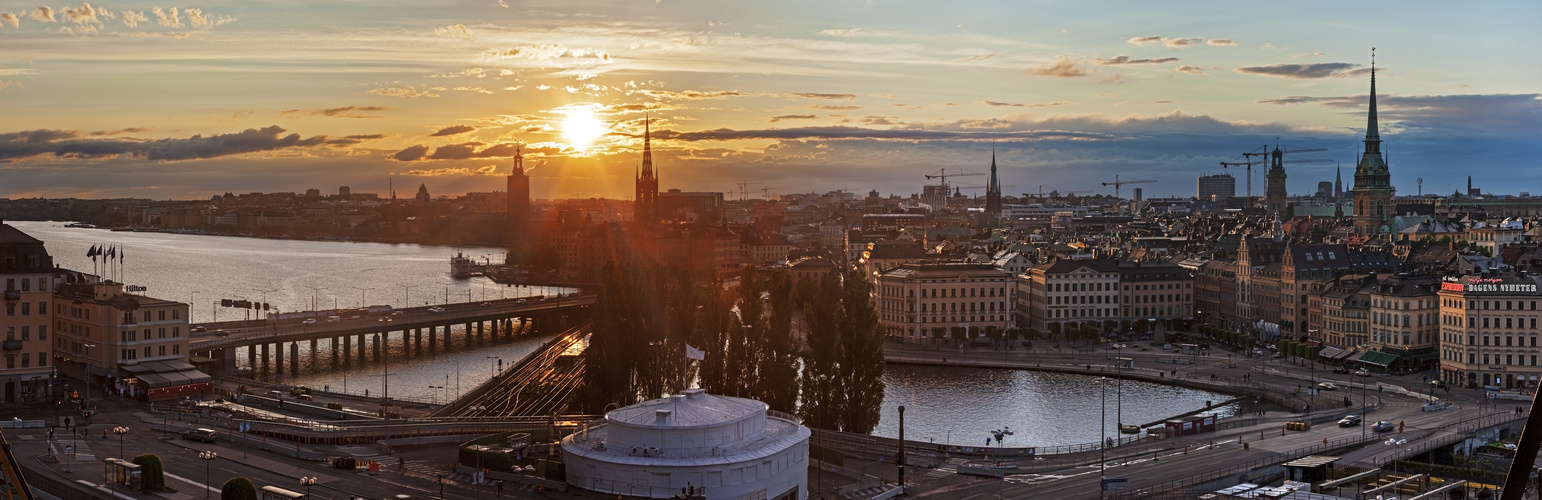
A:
x: 829, y: 373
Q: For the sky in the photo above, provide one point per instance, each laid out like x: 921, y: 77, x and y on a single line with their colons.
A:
x: 189, y: 100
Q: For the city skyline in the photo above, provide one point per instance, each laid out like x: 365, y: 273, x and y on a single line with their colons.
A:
x: 139, y: 100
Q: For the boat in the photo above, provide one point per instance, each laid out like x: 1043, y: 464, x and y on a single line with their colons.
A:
x: 460, y: 266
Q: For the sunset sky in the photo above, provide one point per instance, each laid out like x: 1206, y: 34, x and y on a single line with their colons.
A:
x: 182, y: 101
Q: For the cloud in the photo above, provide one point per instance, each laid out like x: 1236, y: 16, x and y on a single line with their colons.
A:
x: 1142, y: 40
x: 1442, y: 116
x: 544, y: 53
x: 440, y: 172
x: 405, y: 91
x: 1308, y: 55
x: 130, y: 130
x: 167, y: 18
x: 1180, y: 43
x: 1021, y: 105
x: 812, y: 95
x: 833, y: 108
x: 775, y: 119
x: 1221, y: 42
x: 841, y: 32
x: 1192, y: 70
x: 198, y: 19
x: 44, y: 14
x: 843, y: 132
x: 412, y: 153
x: 9, y: 18
x: 83, y: 15
x: 1176, y: 43
x: 1127, y: 60
x: 453, y: 130
x: 1302, y: 71
x: 691, y: 94
x: 65, y: 144
x: 1063, y: 68
x: 343, y: 112
x: 5, y: 83
x: 462, y: 151
x: 132, y: 18
x: 456, y: 31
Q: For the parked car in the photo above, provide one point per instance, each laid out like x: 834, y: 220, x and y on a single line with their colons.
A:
x: 1341, y: 370
x: 1382, y: 426
x: 201, y: 434
x: 1327, y: 386
x: 1349, y: 421
x: 1362, y: 373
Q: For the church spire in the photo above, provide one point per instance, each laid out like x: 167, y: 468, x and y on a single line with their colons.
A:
x: 994, y: 186
x: 647, y: 159
x: 1372, y: 130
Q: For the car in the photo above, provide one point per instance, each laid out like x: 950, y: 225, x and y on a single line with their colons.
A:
x: 334, y: 319
x: 1327, y: 386
x: 487, y: 304
x: 521, y: 301
x: 396, y: 313
x: 1349, y: 421
x: 308, y: 321
x: 201, y: 434
x: 304, y: 397
x: 385, y: 320
x: 1362, y: 373
x: 275, y: 395
x: 197, y: 329
x: 436, y: 309
x: 221, y: 333
x: 1340, y: 370
x: 1383, y: 426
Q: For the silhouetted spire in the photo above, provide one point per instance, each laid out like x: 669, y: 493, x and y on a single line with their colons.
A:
x: 647, y: 160
x: 994, y: 186
x: 1372, y: 130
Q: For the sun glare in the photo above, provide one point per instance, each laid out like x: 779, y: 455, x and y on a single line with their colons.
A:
x: 581, y: 128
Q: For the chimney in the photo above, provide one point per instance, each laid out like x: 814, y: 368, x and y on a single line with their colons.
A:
x: 661, y: 416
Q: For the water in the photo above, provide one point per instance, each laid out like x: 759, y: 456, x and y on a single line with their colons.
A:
x: 293, y: 275
x: 960, y: 405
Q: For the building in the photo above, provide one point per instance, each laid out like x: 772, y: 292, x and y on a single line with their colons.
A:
x: 1274, y: 193
x: 883, y: 255
x: 29, y: 277
x: 1373, y: 182
x: 735, y: 448
x: 702, y: 207
x: 1217, y: 187
x: 1402, y: 319
x: 810, y: 268
x: 123, y: 342
x: 519, y: 202
x: 645, y: 208
x: 1066, y: 292
x: 993, y: 195
x: 1346, y: 309
x: 892, y: 222
x: 1302, y: 268
x: 921, y: 302
x: 1488, y: 331
x: 1155, y: 291
x: 1215, y: 294
x: 422, y: 197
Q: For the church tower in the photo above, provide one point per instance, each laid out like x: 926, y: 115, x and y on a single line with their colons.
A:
x: 1274, y: 194
x: 645, y: 208
x: 993, y: 194
x: 1373, y: 182
x: 519, y: 201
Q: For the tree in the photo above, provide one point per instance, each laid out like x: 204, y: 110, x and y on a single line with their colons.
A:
x: 238, y: 488
x: 994, y: 333
x: 842, y: 382
x: 151, y: 471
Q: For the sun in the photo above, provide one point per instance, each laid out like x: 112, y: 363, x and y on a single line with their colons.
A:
x: 581, y: 128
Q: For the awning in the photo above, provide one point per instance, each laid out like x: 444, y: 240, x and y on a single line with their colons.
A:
x: 1426, y: 357
x: 153, y: 381
x: 1343, y: 354
x: 1356, y: 356
x: 1378, y: 358
x: 1330, y: 352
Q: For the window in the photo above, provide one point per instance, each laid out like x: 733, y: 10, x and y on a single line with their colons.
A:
x: 26, y: 357
x: 42, y: 359
x: 42, y: 333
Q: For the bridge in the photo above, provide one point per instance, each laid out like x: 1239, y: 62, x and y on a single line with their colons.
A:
x: 539, y: 384
x: 492, y: 316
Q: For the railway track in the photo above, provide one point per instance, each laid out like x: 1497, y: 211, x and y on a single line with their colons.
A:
x: 538, y: 385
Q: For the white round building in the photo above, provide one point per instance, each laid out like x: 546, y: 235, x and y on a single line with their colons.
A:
x: 735, y: 448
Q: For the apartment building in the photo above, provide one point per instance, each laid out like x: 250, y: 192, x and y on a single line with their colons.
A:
x: 28, y: 273
x: 924, y: 302
x: 1488, y: 331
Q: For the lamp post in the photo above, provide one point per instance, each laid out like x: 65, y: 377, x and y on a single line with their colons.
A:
x: 361, y: 294
x: 307, y: 482
x: 120, y: 431
x: 441, y: 487
x: 207, y: 456
x: 500, y: 366
x: 1362, y: 403
x: 313, y: 295
x: 1102, y: 434
x: 406, y: 294
x: 819, y: 478
x: 435, y: 394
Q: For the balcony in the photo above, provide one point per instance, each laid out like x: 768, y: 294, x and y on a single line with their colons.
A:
x: 13, y: 295
x: 12, y: 345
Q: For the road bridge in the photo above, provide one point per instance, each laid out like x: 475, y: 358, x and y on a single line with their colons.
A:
x: 491, y: 316
x: 539, y: 384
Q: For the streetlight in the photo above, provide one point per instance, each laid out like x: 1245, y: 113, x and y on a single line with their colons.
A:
x: 207, y: 456
x: 361, y: 294
x: 1102, y: 434
x: 406, y: 294
x: 313, y: 295
x: 307, y: 482
x: 824, y: 389
x: 120, y: 431
x: 441, y: 487
x: 500, y: 365
x: 435, y: 395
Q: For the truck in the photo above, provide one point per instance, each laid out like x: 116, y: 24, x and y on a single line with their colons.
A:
x: 379, y: 310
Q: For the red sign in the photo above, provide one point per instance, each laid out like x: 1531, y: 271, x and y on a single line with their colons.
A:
x: 1451, y: 287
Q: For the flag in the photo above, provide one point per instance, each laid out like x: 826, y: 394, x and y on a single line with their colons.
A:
x: 92, y: 253
x: 112, y: 253
x: 694, y: 353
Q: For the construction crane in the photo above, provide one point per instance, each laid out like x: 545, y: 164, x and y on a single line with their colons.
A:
x: 1262, y: 152
x: 744, y: 189
x: 1057, y: 191
x: 944, y: 175
x: 16, y: 484
x: 765, y: 192
x: 1117, y: 183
